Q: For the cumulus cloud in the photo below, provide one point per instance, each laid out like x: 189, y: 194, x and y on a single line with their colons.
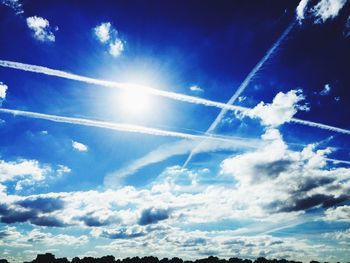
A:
x: 288, y: 181
x: 102, y: 32
x: 27, y: 172
x: 108, y: 35
x: 78, y: 146
x: 41, y: 28
x: 321, y: 12
x: 326, y: 90
x: 283, y: 107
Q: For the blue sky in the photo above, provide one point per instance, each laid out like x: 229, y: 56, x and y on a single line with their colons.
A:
x: 111, y: 141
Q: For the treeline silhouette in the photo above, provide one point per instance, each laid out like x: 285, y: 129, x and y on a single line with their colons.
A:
x: 50, y: 258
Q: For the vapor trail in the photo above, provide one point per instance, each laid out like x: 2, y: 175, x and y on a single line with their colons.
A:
x: 118, y: 85
x: 172, y: 95
x: 129, y: 128
x: 242, y: 87
x: 320, y: 125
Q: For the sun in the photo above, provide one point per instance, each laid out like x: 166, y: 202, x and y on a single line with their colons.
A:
x: 135, y: 102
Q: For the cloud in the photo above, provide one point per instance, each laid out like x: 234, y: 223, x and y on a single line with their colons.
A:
x: 301, y: 9
x: 3, y: 91
x: 346, y: 31
x: 16, y: 5
x: 108, y: 35
x: 168, y: 150
x: 321, y: 12
x: 340, y: 213
x: 327, y: 9
x: 102, y: 32
x: 123, y: 234
x: 282, y: 109
x: 153, y: 216
x: 41, y: 28
x: 196, y: 88
x: 326, y: 90
x: 116, y: 48
x: 80, y: 147
x: 28, y: 172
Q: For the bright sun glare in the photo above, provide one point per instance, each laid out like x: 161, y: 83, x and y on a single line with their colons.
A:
x: 135, y: 102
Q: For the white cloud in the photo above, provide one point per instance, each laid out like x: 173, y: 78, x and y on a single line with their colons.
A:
x: 16, y: 5
x: 102, y: 32
x: 327, y: 9
x: 108, y: 35
x: 116, y: 48
x: 196, y: 88
x: 281, y: 110
x: 326, y: 90
x: 322, y: 11
x: 41, y: 28
x: 79, y: 146
x: 301, y: 8
x: 27, y: 172
x: 340, y: 213
x: 3, y: 91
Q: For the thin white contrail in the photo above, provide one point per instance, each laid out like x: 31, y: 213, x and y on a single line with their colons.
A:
x: 171, y: 95
x: 242, y: 87
x: 130, y: 128
x: 320, y: 125
x: 118, y: 85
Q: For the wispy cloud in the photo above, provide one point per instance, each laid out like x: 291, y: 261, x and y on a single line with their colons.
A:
x: 196, y: 88
x: 16, y: 5
x: 41, y: 28
x: 168, y: 150
x: 167, y: 94
x: 326, y: 90
x: 108, y: 35
x: 78, y: 146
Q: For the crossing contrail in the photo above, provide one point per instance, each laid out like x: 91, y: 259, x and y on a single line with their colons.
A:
x: 117, y: 85
x: 242, y: 87
x: 250, y: 143
x: 172, y: 95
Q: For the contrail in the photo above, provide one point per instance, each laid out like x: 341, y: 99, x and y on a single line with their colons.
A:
x: 118, y: 85
x: 250, y: 143
x: 242, y: 87
x: 172, y: 95
x: 320, y: 125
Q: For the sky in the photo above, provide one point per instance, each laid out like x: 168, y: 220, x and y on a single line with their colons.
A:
x: 175, y: 128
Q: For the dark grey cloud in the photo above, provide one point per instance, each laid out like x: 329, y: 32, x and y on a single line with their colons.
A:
x: 47, y: 221
x: 35, y: 208
x: 153, y: 216
x: 93, y: 221
x: 41, y: 204
x: 273, y: 169
x: 325, y: 201
x: 122, y: 234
